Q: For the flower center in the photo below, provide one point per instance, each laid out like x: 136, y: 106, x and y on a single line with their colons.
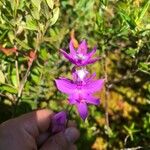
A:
x: 81, y: 56
x: 81, y: 74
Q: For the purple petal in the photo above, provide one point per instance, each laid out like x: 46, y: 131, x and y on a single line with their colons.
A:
x: 91, y: 61
x: 82, y: 48
x: 92, y: 100
x: 94, y: 86
x: 82, y: 109
x: 72, y: 101
x: 90, y: 54
x: 70, y: 58
x: 59, y: 121
x: 65, y: 85
x: 80, y: 63
x: 72, y: 98
x: 71, y: 47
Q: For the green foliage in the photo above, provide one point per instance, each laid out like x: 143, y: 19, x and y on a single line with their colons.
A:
x: 121, y: 31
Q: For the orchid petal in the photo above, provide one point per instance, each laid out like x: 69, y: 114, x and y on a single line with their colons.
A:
x: 92, y: 100
x: 82, y: 109
x: 65, y: 85
x: 71, y: 47
x: 82, y: 48
x: 94, y: 86
x: 72, y: 101
x: 91, y: 61
x: 73, y: 97
x: 66, y: 55
x: 90, y: 54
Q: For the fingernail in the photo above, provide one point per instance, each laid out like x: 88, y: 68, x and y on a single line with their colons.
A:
x: 71, y: 134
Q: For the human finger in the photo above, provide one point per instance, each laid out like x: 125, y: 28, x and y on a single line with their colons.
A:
x: 42, y: 138
x: 36, y: 122
x: 62, y: 141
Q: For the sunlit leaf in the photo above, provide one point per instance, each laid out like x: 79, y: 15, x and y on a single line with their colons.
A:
x: 31, y: 24
x: 22, y: 43
x: 8, y: 88
x: 2, y: 77
x: 143, y: 11
x: 14, y: 78
x: 50, y: 3
x: 37, y: 4
x: 55, y: 16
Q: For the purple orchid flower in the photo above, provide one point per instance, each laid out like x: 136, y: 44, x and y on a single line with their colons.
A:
x: 81, y: 92
x: 80, y: 57
x: 59, y: 121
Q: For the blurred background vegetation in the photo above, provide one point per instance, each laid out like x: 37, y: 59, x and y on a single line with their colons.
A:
x: 31, y: 34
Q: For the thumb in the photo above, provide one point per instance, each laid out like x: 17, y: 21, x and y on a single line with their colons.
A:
x: 36, y: 122
x: 62, y: 140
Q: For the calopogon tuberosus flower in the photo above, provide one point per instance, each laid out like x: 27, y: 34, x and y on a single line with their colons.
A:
x: 80, y: 90
x: 81, y: 56
x: 59, y: 122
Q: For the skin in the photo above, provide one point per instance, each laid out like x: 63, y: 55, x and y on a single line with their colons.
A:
x: 31, y: 132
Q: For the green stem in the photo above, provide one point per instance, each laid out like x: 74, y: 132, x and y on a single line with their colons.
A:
x: 104, y: 62
x: 69, y: 111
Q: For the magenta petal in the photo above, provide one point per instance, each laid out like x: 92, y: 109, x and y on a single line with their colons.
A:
x: 72, y: 101
x: 67, y: 56
x: 73, y: 97
x: 92, y: 100
x: 91, y: 61
x: 92, y: 52
x: 82, y: 109
x: 65, y: 85
x: 71, y: 47
x: 82, y: 48
x: 94, y: 86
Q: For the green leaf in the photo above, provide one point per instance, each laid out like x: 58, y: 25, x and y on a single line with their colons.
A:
x: 30, y: 23
x: 45, y: 11
x: 8, y: 88
x: 35, y: 13
x: 104, y: 2
x: 130, y: 21
x: 23, y: 44
x: 143, y: 11
x: 55, y: 16
x: 43, y: 54
x: 131, y: 52
x: 21, y: 4
x: 14, y: 78
x: 37, y: 4
x: 50, y: 3
x: 144, y: 66
x: 14, y: 4
x: 11, y: 36
x: 3, y: 34
x: 31, y: 103
x: 35, y: 78
x: 2, y: 77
